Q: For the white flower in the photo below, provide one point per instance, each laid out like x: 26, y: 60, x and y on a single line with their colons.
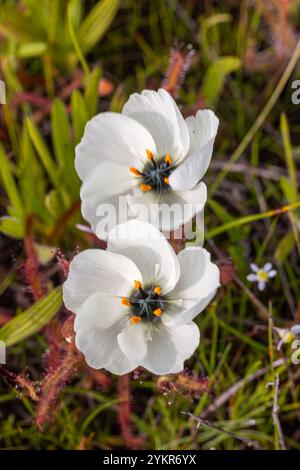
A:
x: 2, y: 92
x: 149, y: 153
x: 262, y: 275
x: 135, y: 302
x: 287, y: 335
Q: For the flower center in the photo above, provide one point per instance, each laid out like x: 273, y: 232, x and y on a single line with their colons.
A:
x: 262, y: 275
x: 155, y: 174
x: 144, y: 303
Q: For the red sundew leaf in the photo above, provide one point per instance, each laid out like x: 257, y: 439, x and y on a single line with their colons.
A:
x: 105, y: 88
x: 67, y: 329
x: 227, y: 271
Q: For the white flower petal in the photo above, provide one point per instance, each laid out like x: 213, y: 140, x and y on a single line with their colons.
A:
x: 147, y: 247
x: 203, y: 130
x: 104, y: 215
x: 198, y: 275
x: 272, y: 273
x: 99, y: 310
x: 107, y: 179
x: 98, y: 270
x: 104, y: 186
x: 261, y: 285
x: 267, y: 267
x: 158, y: 112
x: 112, y: 137
x: 171, y: 210
x: 295, y: 329
x: 101, y: 350
x: 254, y: 267
x: 252, y: 277
x: 170, y: 347
x: 198, y: 283
x: 279, y: 345
x: 191, y: 332
x: 189, y: 309
x: 132, y: 342
x: 195, y: 196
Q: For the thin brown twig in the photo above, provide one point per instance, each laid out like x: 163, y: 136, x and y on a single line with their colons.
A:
x: 275, y: 411
x: 272, y: 173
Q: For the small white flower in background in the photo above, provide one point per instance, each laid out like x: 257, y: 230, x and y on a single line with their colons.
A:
x: 2, y: 92
x: 135, y: 302
x: 287, y: 335
x: 261, y: 275
x: 150, y: 154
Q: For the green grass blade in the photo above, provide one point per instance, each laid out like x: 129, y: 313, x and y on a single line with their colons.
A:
x: 60, y: 132
x: 285, y: 133
x: 215, y: 77
x: 91, y: 95
x: 9, y: 184
x: 31, y: 320
x: 96, y: 23
x: 79, y: 114
x: 43, y: 152
x: 250, y: 218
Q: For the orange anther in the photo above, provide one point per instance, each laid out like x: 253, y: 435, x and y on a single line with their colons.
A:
x: 157, y: 312
x: 145, y: 187
x: 135, y: 319
x: 125, y: 302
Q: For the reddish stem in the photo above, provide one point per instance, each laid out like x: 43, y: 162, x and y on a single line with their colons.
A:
x: 34, y: 277
x: 63, y: 221
x: 131, y: 441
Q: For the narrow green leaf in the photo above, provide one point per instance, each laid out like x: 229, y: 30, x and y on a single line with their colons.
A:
x: 96, y: 23
x: 220, y: 211
x: 9, y: 183
x: 31, y: 49
x: 12, y: 227
x: 285, y: 246
x: 75, y: 42
x: 250, y: 218
x: 288, y: 189
x: 215, y: 77
x: 31, y: 320
x: 60, y: 132
x: 15, y: 25
x: 290, y: 163
x: 91, y: 95
x: 42, y: 151
x: 79, y: 115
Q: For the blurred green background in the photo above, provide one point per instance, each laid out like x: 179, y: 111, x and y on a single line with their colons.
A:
x: 64, y: 61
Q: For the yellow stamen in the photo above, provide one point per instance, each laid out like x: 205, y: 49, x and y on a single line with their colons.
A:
x: 157, y: 312
x: 149, y: 154
x: 145, y: 187
x: 134, y: 171
x: 135, y: 320
x: 168, y: 159
x: 137, y: 285
x: 125, y: 302
x: 157, y: 290
x: 166, y: 180
x: 262, y: 275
